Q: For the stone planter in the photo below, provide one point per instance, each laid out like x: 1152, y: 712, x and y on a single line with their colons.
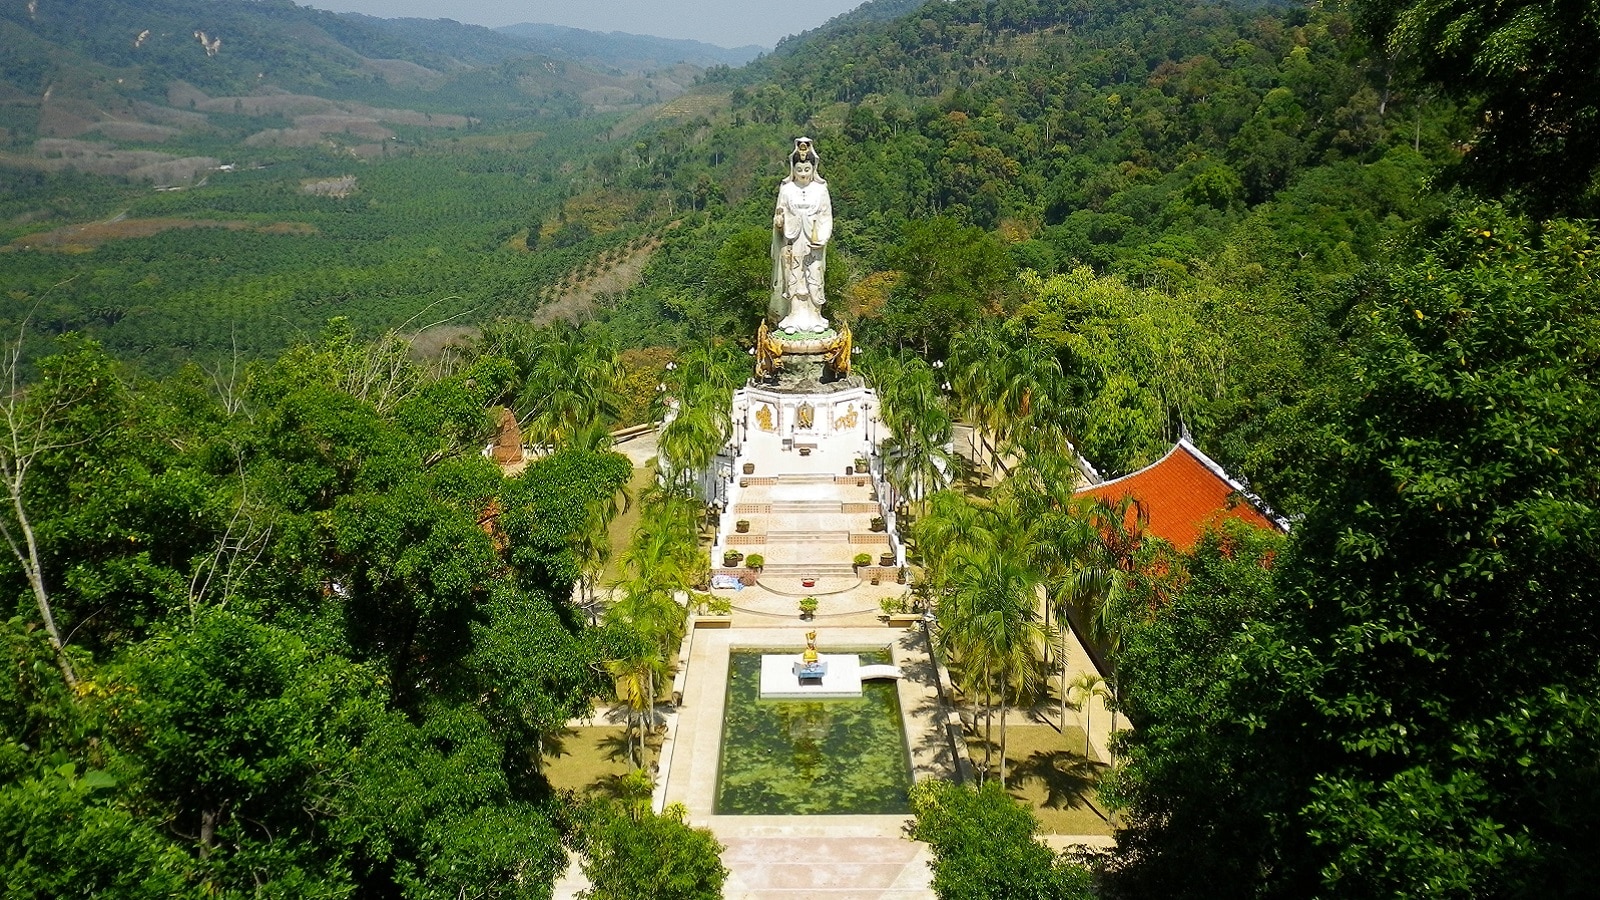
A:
x: 742, y: 526
x: 713, y: 621
x: 886, y: 559
x: 903, y: 620
x: 749, y: 468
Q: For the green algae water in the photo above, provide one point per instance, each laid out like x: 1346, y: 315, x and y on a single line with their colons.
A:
x: 811, y: 757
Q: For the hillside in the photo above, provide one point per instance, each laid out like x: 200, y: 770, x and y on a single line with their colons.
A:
x: 163, y: 72
x: 626, y: 52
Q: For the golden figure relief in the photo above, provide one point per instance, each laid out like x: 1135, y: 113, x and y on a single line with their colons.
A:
x: 805, y: 416
x: 849, y: 419
x: 764, y: 417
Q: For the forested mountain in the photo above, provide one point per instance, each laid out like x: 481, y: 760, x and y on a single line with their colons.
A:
x: 282, y: 630
x: 1224, y: 165
x: 628, y: 52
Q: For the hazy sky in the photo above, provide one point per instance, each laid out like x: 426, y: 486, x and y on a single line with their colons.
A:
x: 729, y: 23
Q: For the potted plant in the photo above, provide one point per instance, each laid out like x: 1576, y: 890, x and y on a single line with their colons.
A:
x: 901, y: 577
x: 749, y: 468
x: 731, y: 558
x: 878, y: 523
x: 886, y: 558
x: 755, y: 561
x: 742, y: 526
x: 862, y: 559
x: 808, y: 607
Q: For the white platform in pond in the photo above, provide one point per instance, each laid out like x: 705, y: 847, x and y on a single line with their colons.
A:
x: 778, y: 681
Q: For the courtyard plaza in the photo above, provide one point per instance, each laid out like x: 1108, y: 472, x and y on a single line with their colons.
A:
x: 798, y: 504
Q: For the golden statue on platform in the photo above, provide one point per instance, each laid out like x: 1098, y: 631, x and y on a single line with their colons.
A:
x: 810, y: 654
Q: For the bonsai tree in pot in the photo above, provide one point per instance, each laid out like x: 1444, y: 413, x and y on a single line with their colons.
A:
x: 731, y: 558
x: 863, y: 559
x: 808, y: 607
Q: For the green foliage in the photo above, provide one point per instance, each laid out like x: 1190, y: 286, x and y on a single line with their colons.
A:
x: 1525, y: 66
x: 631, y: 853
x: 433, y: 813
x: 1411, y: 696
x: 1137, y: 362
x: 546, y: 505
x: 62, y: 834
x: 244, y: 735
x: 984, y: 846
x: 1185, y: 782
x: 952, y: 274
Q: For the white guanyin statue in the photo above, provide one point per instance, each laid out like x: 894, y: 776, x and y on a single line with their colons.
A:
x: 801, y: 227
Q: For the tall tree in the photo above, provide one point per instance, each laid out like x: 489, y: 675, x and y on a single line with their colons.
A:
x: 1421, y: 690
x: 1530, y: 68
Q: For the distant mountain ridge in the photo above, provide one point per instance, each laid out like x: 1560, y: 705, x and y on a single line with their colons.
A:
x: 133, y: 74
x: 629, y: 52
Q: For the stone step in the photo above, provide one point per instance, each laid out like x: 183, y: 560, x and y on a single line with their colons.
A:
x: 805, y: 478
x: 818, y: 507
x: 807, y: 506
x: 819, y: 569
x: 808, y: 537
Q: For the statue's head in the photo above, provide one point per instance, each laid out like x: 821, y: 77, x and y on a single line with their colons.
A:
x: 804, y: 173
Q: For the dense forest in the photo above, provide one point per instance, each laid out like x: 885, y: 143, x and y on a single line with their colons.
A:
x: 282, y: 630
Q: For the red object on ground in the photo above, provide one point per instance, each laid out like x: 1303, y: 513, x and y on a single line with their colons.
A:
x: 808, y: 582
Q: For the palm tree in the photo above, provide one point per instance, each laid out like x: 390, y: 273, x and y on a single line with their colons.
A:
x: 570, y: 386
x: 994, y: 629
x: 1086, y: 687
x: 636, y: 672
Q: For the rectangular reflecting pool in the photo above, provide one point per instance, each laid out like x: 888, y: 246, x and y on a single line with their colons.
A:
x: 811, y: 757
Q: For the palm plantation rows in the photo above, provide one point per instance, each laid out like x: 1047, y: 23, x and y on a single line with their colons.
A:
x: 284, y: 627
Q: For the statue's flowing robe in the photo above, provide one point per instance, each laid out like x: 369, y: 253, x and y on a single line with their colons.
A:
x: 803, y: 217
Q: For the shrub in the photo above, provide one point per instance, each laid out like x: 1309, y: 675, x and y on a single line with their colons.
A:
x: 863, y: 559
x: 984, y: 847
x: 755, y: 561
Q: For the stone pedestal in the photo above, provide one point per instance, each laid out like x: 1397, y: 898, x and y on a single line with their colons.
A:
x: 840, y: 414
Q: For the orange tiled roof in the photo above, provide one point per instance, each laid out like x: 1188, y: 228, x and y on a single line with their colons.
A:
x: 1183, y: 492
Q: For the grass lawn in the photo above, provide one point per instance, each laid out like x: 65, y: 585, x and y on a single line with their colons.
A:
x: 1046, y: 770
x: 586, y: 759
x: 620, y: 533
